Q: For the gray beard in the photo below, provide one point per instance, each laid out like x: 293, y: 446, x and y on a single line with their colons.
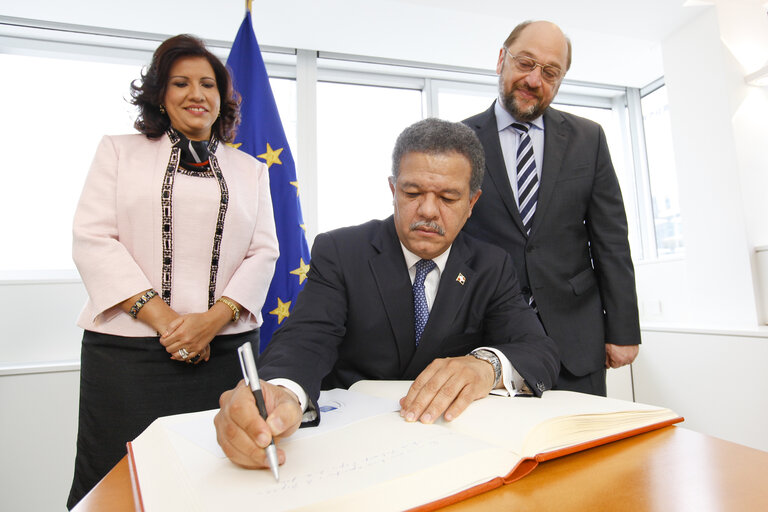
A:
x: 510, y: 104
x: 527, y: 115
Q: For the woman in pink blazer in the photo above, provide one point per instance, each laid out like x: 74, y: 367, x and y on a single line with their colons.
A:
x: 174, y: 238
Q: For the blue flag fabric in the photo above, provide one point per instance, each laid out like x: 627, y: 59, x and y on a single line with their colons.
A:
x: 261, y: 135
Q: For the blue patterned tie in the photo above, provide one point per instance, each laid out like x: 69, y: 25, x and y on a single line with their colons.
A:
x: 527, y: 179
x: 420, y: 308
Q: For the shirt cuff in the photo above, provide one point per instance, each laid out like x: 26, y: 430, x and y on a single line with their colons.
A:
x: 513, y: 382
x: 292, y: 386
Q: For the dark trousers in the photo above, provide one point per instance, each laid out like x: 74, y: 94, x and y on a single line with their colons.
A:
x: 591, y: 383
x: 127, y: 383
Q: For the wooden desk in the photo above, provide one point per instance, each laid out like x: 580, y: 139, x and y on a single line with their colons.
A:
x: 669, y: 469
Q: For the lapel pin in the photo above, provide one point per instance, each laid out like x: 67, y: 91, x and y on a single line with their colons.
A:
x: 461, y: 279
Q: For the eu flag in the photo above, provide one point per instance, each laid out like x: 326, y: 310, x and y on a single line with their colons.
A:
x: 261, y: 135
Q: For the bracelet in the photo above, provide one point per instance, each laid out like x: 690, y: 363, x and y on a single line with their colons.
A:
x: 140, y: 303
x: 232, y: 306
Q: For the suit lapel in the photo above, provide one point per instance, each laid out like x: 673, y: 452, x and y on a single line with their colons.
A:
x: 451, y: 296
x: 395, y: 289
x: 488, y: 133
x: 555, y: 143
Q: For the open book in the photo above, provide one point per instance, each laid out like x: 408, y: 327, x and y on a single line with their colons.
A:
x: 364, y: 456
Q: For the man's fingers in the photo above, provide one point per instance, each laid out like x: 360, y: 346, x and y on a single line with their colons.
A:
x: 447, y: 386
x: 448, y: 393
x: 240, y: 430
x: 423, y: 391
x: 620, y: 355
x: 458, y: 406
x: 285, y: 419
x: 238, y: 446
x: 424, y: 377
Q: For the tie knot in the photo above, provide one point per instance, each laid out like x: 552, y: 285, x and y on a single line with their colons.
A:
x: 521, y: 127
x: 424, y: 267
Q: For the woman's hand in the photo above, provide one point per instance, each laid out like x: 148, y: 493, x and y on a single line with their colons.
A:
x: 154, y: 313
x: 193, y: 333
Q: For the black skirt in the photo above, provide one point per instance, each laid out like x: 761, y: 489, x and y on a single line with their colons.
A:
x: 127, y: 383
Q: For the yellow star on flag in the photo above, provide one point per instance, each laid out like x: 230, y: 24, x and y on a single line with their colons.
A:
x: 235, y: 145
x: 281, y: 310
x: 271, y: 156
x: 295, y: 184
x: 301, y: 271
x: 303, y: 226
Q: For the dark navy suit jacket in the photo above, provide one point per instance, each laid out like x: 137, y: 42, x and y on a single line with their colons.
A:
x: 354, y: 318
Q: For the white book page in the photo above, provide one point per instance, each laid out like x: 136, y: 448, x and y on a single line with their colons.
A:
x: 529, y: 425
x: 338, y: 407
x: 359, y: 457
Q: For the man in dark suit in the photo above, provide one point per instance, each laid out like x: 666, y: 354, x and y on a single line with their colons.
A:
x: 552, y: 200
x: 408, y: 297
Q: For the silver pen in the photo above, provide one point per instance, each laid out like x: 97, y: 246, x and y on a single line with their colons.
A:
x: 251, y: 376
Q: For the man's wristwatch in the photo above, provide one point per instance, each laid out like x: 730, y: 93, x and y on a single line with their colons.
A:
x: 493, y: 360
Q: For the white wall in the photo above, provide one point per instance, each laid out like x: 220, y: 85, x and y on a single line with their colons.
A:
x: 716, y: 283
x: 718, y: 125
x: 37, y: 439
x: 38, y: 321
x: 714, y: 378
x: 707, y: 355
x: 38, y: 407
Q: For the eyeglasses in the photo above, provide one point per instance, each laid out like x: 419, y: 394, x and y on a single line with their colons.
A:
x: 525, y: 64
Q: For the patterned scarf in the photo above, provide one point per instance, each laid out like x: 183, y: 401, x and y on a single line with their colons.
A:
x: 194, y: 154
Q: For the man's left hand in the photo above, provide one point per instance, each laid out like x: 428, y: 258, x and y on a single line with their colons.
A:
x: 617, y: 356
x: 447, y: 386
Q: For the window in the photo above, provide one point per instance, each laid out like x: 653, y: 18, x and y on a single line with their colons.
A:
x: 57, y: 112
x: 357, y: 126
x: 458, y: 101
x: 61, y: 108
x: 662, y: 174
x: 361, y: 107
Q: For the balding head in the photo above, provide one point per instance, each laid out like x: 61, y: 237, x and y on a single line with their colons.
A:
x: 543, y: 27
x: 531, y: 67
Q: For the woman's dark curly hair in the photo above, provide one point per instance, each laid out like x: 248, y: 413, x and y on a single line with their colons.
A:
x: 149, y: 94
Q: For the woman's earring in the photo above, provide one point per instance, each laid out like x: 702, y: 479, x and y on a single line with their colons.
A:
x: 162, y: 110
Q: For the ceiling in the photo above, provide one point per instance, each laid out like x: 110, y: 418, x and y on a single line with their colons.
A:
x: 650, y: 20
x: 615, y: 41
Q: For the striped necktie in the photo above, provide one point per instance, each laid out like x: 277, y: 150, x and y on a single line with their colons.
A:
x: 420, y: 307
x: 527, y: 179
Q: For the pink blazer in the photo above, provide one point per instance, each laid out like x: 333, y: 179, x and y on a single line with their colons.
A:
x: 118, y: 242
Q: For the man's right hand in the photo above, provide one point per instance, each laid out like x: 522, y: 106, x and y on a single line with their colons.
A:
x: 241, y: 431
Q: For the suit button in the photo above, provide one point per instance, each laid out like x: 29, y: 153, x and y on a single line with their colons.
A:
x: 530, y: 248
x: 526, y: 290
